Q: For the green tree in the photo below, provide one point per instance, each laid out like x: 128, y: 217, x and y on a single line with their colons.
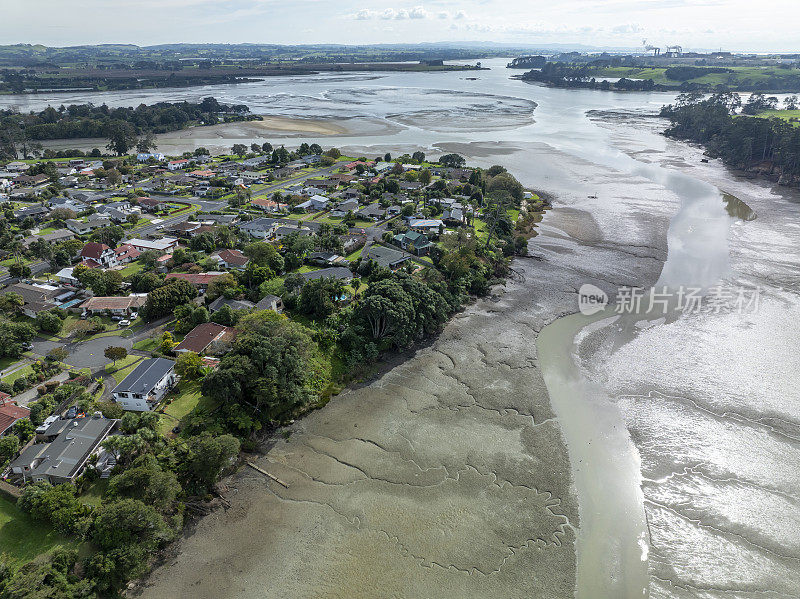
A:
x: 163, y: 300
x: 19, y: 270
x: 204, y: 458
x: 121, y: 137
x: 189, y: 365
x: 49, y: 322
x: 114, y: 353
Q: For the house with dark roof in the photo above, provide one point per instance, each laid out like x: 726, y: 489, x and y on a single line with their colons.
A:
x: 413, y: 242
x: 36, y: 212
x: 99, y: 253
x: 208, y: 337
x: 270, y: 302
x: 37, y: 298
x: 65, y: 458
x: 54, y: 237
x: 260, y: 228
x: 372, y: 212
x: 335, y: 272
x: 233, y: 303
x: 385, y: 257
x: 143, y: 388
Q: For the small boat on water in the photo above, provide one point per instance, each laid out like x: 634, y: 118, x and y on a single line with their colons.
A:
x: 704, y: 160
x: 593, y: 197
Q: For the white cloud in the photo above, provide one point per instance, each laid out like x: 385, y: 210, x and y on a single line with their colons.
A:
x: 418, y: 12
x: 460, y: 15
x: 444, y: 15
x: 389, y: 13
x: 365, y: 14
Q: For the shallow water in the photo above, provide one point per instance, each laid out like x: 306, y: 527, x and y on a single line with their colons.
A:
x: 702, y: 411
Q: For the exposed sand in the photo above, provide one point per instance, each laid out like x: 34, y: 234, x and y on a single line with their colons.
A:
x: 446, y: 477
x: 218, y: 138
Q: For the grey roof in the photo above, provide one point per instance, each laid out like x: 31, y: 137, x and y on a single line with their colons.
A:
x: 145, y: 376
x: 67, y: 453
x: 269, y: 302
x: 334, y: 272
x: 384, y: 256
x: 219, y: 218
x: 259, y: 224
x: 234, y: 304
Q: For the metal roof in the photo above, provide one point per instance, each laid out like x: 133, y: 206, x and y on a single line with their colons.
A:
x: 145, y: 376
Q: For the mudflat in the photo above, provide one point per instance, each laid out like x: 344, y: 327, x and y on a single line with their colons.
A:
x: 445, y: 477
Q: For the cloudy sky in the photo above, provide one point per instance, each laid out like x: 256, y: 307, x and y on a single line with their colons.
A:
x: 770, y: 25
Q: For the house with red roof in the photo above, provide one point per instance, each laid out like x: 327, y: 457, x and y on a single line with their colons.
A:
x: 233, y: 259
x: 201, y: 280
x: 207, y: 337
x: 175, y: 165
x: 97, y: 254
x: 10, y: 413
x: 126, y: 254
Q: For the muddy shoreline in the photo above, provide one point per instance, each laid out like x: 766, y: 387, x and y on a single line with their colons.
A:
x: 445, y: 476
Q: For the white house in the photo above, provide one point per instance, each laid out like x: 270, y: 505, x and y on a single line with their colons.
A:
x: 144, y: 388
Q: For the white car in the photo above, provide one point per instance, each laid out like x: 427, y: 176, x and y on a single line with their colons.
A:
x: 124, y: 323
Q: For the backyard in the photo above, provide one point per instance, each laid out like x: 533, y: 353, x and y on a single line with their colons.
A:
x: 22, y: 539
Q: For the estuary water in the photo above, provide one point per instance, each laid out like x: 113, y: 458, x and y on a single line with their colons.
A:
x: 683, y: 431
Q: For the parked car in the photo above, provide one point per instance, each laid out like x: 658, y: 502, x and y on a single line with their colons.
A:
x: 134, y: 315
x: 116, y: 318
x: 72, y: 412
x: 124, y: 323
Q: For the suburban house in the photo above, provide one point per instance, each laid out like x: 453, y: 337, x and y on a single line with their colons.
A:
x: 372, y: 212
x: 335, y: 272
x: 37, y: 298
x: 119, y: 306
x: 314, y: 203
x: 126, y: 254
x: 252, y: 177
x: 37, y: 213
x: 54, y: 237
x: 342, y: 208
x: 386, y: 257
x: 220, y: 219
x: 426, y: 225
x: 67, y: 277
x: 10, y: 412
x: 260, y: 228
x: 64, y: 459
x: 143, y: 388
x: 144, y: 157
x: 208, y: 337
x: 327, y: 259
x: 157, y: 245
x: 201, y: 280
x: 98, y: 254
x: 413, y: 242
x: 175, y: 165
x: 84, y: 228
x: 152, y: 204
x: 270, y: 302
x: 266, y: 204
x: 233, y: 303
x: 231, y: 259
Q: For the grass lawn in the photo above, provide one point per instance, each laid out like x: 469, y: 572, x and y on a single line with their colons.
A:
x: 6, y: 362
x: 94, y: 494
x: 355, y: 255
x: 22, y: 539
x: 24, y: 371
x: 126, y: 366
x: 147, y: 344
x: 131, y: 269
x: 185, y: 398
x: 780, y: 114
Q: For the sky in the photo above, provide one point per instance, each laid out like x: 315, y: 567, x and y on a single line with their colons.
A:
x: 734, y: 25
